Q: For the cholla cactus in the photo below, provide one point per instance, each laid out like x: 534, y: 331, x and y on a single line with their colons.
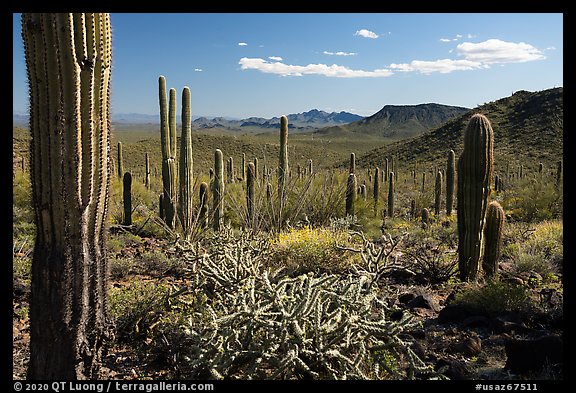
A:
x: 258, y: 323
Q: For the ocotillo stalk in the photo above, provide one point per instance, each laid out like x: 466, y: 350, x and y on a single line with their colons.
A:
x: 493, y: 231
x: 120, y: 161
x: 68, y: 64
x: 185, y: 203
x: 391, y: 182
x: 147, y: 176
x: 283, y: 159
x: 351, y: 195
x: 438, y: 194
x: 450, y: 176
x: 250, y: 194
x: 475, y: 167
x: 352, y: 168
x: 127, y: 197
x: 218, y: 190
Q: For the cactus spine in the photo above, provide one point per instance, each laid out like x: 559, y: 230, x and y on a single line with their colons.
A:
x: 351, y: 194
x: 450, y: 176
x: 168, y: 155
x: 283, y: 159
x: 250, y: 193
x: 438, y: 194
x: 218, y: 190
x: 120, y: 161
x: 127, y: 181
x: 68, y: 64
x: 493, y: 230
x: 185, y: 205
x: 203, y: 209
x: 475, y: 167
x: 391, y: 181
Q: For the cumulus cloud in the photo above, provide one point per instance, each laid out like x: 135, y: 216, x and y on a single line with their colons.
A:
x: 198, y: 69
x: 333, y: 71
x: 443, y: 66
x: 339, y: 53
x: 275, y: 58
x: 242, y: 44
x: 366, y: 34
x: 495, y: 51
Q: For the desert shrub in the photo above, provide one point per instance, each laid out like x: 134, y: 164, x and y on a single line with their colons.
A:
x: 432, y: 261
x: 533, y: 200
x: 496, y: 297
x: 311, y: 249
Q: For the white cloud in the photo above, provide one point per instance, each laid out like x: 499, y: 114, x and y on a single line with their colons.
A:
x: 198, y: 69
x: 551, y: 48
x: 333, y: 71
x: 458, y: 35
x: 339, y: 53
x: 275, y: 58
x: 366, y: 34
x: 242, y: 44
x: 470, y: 35
x: 443, y: 66
x: 494, y: 51
x: 445, y: 40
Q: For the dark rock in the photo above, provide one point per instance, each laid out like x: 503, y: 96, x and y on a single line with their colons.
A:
x: 507, y: 323
x: 533, y: 354
x: 475, y: 321
x: 454, y: 313
x: 453, y: 369
x: 396, y: 315
x: 469, y: 346
x: 406, y: 297
x: 418, y: 334
x: 423, y: 301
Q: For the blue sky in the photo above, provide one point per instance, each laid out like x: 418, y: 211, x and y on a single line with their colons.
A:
x: 266, y: 65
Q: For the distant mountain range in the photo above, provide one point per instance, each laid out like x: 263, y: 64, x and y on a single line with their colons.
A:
x: 312, y: 119
x: 528, y: 128
x: 400, y: 121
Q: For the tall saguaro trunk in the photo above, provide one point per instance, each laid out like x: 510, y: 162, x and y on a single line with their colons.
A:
x: 186, y: 166
x: 68, y: 62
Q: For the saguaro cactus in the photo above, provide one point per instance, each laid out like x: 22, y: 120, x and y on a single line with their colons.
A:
x: 243, y: 167
x: 425, y: 217
x: 363, y: 191
x: 310, y: 167
x: 386, y: 169
x: 127, y: 197
x: 68, y: 63
x: 438, y: 194
x: 230, y: 170
x: 147, y: 175
x: 120, y: 161
x: 493, y: 230
x: 351, y: 194
x: 256, y: 168
x: 203, y: 209
x: 391, y: 182
x: 475, y: 167
x: 450, y: 176
x: 250, y: 193
x: 218, y: 190
x: 185, y: 205
x: 558, y: 174
x: 352, y: 168
x: 376, y: 188
x: 168, y: 152
x: 283, y: 159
